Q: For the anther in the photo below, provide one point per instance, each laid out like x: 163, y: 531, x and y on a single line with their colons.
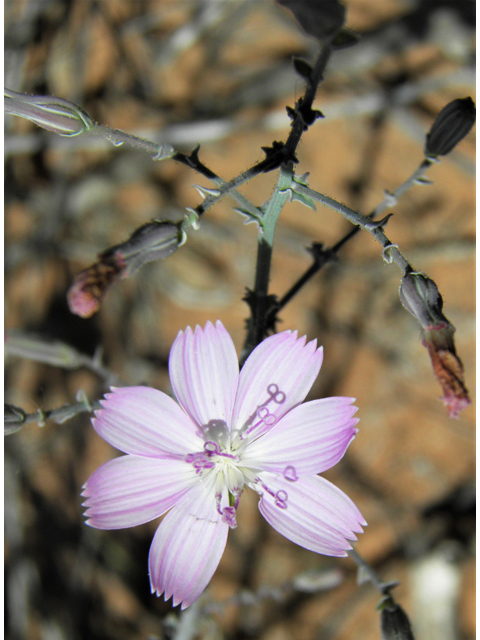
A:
x: 290, y: 473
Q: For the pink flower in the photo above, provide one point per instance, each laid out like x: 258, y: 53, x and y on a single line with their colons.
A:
x: 229, y: 430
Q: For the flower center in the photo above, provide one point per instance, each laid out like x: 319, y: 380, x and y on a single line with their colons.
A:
x: 224, y: 462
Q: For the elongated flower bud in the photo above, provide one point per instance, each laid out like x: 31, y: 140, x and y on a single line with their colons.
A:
x: 155, y: 240
x: 450, y: 127
x: 51, y: 113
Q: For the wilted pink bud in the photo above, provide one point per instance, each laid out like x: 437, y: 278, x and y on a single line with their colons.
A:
x: 319, y: 18
x: 447, y: 366
x: 90, y: 285
x: 152, y: 241
x: 450, y: 127
x: 51, y: 113
x: 421, y: 297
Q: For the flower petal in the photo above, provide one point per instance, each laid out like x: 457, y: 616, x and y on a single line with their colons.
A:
x: 308, y: 440
x: 187, y: 547
x: 315, y: 514
x: 146, y: 422
x: 276, y: 377
x: 203, y: 368
x: 131, y: 490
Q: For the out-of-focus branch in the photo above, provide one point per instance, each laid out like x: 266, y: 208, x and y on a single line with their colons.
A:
x: 15, y: 417
x: 56, y: 354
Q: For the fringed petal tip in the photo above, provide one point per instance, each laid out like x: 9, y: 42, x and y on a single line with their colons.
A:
x: 184, y: 604
x: 188, y: 330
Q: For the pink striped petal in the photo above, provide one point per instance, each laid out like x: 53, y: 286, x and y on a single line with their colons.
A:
x: 308, y: 440
x: 275, y: 378
x: 131, y: 490
x: 146, y: 422
x: 203, y: 368
x: 187, y: 547
x: 311, y: 512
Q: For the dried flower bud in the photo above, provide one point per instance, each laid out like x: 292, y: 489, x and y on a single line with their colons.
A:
x: 90, y: 285
x: 319, y: 18
x: 54, y: 114
x: 420, y: 296
x: 450, y: 127
x: 394, y: 622
x: 152, y: 241
x: 447, y: 366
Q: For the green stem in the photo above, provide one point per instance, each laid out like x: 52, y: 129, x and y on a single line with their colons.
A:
x: 259, y: 311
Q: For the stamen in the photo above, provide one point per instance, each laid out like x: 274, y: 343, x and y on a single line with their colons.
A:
x: 265, y: 416
x: 290, y: 473
x: 281, y: 498
x: 200, y: 461
x: 228, y: 513
x: 211, y: 447
x: 229, y: 517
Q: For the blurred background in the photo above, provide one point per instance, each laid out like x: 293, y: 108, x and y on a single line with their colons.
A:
x: 220, y: 73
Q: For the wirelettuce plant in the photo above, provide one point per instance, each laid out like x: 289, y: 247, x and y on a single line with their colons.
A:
x: 239, y: 421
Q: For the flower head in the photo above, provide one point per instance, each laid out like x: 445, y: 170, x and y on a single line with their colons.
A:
x: 229, y: 430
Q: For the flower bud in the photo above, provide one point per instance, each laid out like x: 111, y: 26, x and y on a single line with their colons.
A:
x: 450, y: 127
x: 394, y: 622
x: 319, y: 18
x: 54, y: 114
x: 419, y: 295
x: 155, y: 240
x: 152, y: 241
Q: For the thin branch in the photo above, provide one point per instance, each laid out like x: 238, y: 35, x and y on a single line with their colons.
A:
x: 15, y: 418
x: 391, y: 252
x: 57, y: 354
x: 322, y: 256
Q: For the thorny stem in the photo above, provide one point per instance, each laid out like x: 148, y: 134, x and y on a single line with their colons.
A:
x: 118, y: 138
x: 66, y: 118
x: 298, y: 125
x: 163, y: 151
x: 15, y: 418
x: 367, y: 572
x: 390, y: 250
x: 259, y: 308
x: 324, y: 256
